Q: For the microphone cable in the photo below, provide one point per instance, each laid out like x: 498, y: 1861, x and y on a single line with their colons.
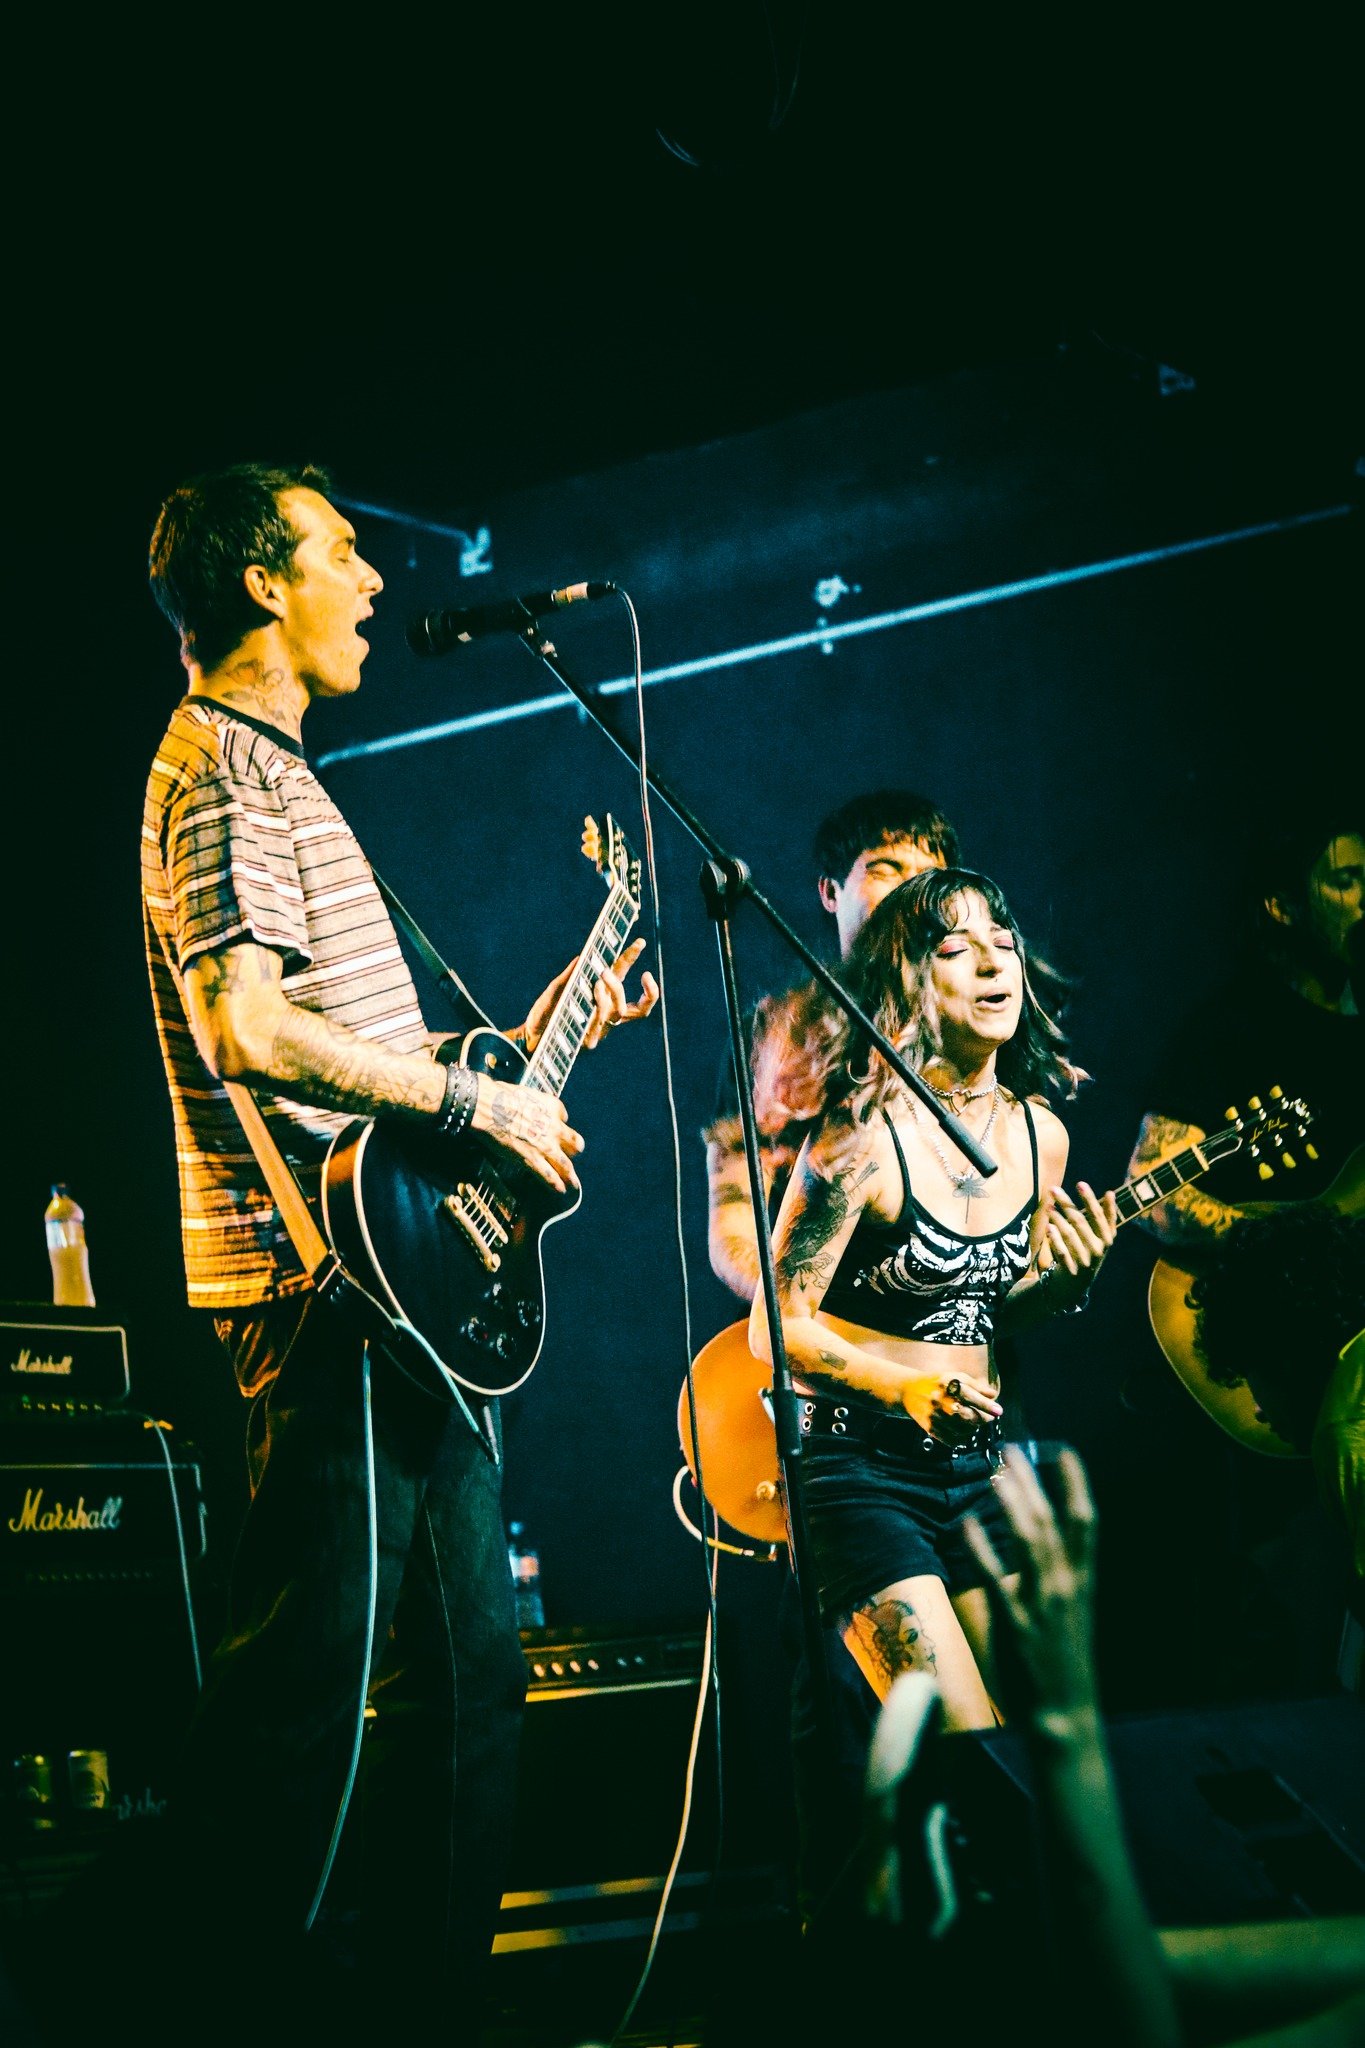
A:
x: 159, y: 1431
x: 710, y: 1672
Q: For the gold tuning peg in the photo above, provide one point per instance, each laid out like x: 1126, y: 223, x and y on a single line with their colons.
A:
x: 1266, y: 1171
x: 1253, y: 1102
x: 1276, y: 1093
x: 1289, y: 1160
x: 1230, y: 1115
x: 1311, y: 1150
x: 592, y: 839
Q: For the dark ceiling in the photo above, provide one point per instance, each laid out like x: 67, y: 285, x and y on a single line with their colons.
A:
x: 477, y: 254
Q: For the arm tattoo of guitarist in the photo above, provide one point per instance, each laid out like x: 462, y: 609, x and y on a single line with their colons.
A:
x: 1190, y: 1216
x: 807, y: 1257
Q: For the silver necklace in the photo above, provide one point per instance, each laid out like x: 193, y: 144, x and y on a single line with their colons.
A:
x: 967, y: 1094
x: 966, y: 1181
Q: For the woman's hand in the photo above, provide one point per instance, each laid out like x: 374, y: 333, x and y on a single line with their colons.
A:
x: 949, y: 1407
x: 1078, y: 1238
x: 610, y: 1006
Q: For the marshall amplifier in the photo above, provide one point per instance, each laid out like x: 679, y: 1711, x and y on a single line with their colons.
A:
x: 67, y: 1358
x: 84, y: 1503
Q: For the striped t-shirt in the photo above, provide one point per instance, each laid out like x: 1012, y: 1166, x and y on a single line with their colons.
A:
x: 241, y: 842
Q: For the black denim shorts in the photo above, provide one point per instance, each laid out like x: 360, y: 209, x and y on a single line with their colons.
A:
x: 877, y: 1514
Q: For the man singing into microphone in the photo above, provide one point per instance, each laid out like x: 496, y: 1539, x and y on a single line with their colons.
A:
x: 273, y: 962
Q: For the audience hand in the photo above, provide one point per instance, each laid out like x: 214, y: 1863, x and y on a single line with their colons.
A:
x: 1046, y: 1607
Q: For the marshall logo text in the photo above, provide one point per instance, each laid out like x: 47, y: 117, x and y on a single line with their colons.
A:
x: 26, y: 1362
x: 36, y: 1520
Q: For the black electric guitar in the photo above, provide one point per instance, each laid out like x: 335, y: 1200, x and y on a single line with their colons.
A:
x: 446, y: 1234
x: 733, y: 1388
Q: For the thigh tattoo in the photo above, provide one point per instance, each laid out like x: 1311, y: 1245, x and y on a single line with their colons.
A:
x: 896, y: 1638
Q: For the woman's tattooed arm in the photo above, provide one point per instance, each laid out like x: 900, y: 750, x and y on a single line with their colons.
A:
x: 818, y: 1216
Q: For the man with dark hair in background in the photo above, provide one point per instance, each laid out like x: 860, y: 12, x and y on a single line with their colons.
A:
x: 373, y: 1548
x: 1286, y: 1015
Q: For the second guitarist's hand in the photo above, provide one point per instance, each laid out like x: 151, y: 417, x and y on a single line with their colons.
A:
x: 532, y: 1126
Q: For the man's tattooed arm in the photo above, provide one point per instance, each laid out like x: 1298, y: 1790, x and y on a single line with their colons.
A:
x: 731, y: 1228
x: 1190, y: 1216
x: 248, y: 1030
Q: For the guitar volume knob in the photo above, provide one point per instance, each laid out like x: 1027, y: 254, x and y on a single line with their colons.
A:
x: 529, y: 1314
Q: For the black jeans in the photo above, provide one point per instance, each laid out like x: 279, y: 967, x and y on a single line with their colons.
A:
x: 271, y: 1744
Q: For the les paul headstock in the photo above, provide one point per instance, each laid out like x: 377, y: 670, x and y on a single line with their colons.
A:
x: 1266, y: 1130
x: 612, y: 854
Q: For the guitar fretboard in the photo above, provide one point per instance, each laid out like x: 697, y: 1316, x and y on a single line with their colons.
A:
x: 563, y: 1036
x: 1145, y: 1190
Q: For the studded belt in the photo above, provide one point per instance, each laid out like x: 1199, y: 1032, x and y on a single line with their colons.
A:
x: 820, y: 1416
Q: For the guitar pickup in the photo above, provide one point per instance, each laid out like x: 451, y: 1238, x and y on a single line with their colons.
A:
x: 484, y: 1212
x: 454, y: 1207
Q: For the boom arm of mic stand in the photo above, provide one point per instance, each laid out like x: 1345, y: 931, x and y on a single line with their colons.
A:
x: 741, y: 883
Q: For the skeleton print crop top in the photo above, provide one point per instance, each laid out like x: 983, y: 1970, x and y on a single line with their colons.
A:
x: 917, y: 1278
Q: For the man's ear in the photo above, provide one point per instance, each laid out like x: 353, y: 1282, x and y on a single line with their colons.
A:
x: 829, y: 894
x: 264, y: 589
x: 1278, y: 911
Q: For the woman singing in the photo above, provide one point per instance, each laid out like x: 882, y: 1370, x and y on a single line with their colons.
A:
x: 897, y: 1265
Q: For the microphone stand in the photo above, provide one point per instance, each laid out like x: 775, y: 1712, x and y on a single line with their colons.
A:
x: 725, y: 883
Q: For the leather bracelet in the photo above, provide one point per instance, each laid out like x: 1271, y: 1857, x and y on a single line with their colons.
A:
x: 1068, y: 1308
x: 459, y: 1101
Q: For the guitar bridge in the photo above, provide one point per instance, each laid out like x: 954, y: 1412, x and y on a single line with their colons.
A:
x: 454, y: 1206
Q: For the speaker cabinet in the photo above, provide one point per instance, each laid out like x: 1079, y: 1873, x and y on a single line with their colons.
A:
x: 1233, y: 1813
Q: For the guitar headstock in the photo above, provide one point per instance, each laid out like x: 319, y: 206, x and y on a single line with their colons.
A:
x: 1267, y: 1128
x: 612, y: 854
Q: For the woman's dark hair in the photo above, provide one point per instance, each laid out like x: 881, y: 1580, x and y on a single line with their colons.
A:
x: 208, y: 533
x: 877, y: 819
x: 1275, y: 1300
x: 819, y: 1058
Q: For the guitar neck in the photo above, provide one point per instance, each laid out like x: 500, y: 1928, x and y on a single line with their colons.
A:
x: 1145, y: 1190
x: 562, y: 1040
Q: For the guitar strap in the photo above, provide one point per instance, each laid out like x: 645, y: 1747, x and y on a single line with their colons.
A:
x: 472, y: 1016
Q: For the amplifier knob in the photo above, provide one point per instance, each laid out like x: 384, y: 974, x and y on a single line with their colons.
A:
x: 557, y: 1668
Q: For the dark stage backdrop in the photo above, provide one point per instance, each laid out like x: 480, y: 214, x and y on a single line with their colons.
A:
x: 1103, y: 744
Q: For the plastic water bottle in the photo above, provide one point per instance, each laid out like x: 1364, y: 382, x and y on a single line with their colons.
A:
x: 524, y: 1559
x: 64, y: 1221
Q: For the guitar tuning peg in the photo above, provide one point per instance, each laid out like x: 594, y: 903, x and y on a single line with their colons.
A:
x: 1289, y: 1161
x: 1276, y: 1093
x: 1253, y: 1102
x: 1230, y: 1115
x: 1311, y: 1150
x: 1265, y: 1171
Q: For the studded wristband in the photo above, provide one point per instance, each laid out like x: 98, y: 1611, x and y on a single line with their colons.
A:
x: 461, y: 1095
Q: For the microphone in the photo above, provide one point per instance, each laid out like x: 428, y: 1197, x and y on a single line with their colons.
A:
x: 439, y: 632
